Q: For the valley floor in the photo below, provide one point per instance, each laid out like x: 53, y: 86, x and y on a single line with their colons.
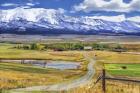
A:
x: 126, y: 39
x: 13, y: 75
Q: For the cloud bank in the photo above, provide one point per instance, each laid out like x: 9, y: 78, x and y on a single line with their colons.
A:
x: 112, y: 5
x: 118, y: 18
x: 8, y: 4
x: 135, y: 18
x: 30, y: 4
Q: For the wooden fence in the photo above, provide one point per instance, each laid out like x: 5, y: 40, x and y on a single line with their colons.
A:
x: 41, y: 62
x: 104, y: 78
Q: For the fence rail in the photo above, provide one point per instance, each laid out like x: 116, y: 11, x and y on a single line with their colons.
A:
x: 22, y: 59
x: 103, y: 77
x: 121, y: 79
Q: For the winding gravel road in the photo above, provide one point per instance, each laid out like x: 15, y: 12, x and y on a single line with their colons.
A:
x: 66, y: 85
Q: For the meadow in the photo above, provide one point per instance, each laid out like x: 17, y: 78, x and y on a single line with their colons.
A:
x: 7, y: 51
x: 13, y: 75
x: 131, y: 70
x: 113, y: 63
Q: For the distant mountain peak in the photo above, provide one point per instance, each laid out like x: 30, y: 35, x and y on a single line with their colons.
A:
x: 41, y: 19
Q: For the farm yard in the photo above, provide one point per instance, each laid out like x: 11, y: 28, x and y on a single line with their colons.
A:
x: 15, y: 75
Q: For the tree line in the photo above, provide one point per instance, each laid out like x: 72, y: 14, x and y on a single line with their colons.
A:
x: 70, y: 46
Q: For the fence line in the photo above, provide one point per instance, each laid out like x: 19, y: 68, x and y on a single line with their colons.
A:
x: 103, y: 77
x: 120, y: 79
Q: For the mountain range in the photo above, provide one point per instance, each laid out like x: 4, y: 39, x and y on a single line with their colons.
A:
x: 50, y: 21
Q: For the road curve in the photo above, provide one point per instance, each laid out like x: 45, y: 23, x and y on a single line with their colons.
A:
x: 66, y: 85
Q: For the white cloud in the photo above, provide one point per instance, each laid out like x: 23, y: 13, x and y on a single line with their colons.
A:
x: 135, y: 18
x: 20, y: 5
x: 24, y: 7
x: 118, y: 18
x: 8, y: 4
x: 61, y: 10
x: 135, y: 5
x: 30, y: 4
x: 113, y: 5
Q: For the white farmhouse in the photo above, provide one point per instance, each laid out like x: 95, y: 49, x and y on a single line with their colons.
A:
x: 88, y: 48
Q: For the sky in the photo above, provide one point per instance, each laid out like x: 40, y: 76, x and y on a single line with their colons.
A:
x: 127, y: 8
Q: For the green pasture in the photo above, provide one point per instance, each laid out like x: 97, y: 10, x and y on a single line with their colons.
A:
x: 132, y: 70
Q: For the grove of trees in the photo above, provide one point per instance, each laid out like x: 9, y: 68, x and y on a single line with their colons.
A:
x: 70, y: 46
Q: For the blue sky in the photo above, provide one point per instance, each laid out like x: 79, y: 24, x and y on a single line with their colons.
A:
x: 80, y: 7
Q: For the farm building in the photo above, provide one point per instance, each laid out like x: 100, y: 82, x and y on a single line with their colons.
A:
x: 88, y: 48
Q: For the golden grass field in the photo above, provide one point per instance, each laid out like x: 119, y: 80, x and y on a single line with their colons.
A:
x: 14, y: 79
x: 14, y: 75
x: 103, y: 57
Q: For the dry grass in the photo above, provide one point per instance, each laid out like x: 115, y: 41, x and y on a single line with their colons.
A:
x: 114, y: 57
x: 132, y: 47
x: 13, y: 75
x: 7, y: 51
x: 101, y: 57
x: 112, y: 86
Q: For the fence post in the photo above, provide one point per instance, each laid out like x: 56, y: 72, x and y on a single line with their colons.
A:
x: 45, y: 63
x: 103, y: 81
x: 21, y: 61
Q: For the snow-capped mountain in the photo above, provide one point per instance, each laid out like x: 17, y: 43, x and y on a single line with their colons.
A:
x: 39, y: 20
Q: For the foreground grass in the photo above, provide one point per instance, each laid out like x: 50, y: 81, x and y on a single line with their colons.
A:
x: 102, y: 57
x: 13, y: 75
x: 111, y: 87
